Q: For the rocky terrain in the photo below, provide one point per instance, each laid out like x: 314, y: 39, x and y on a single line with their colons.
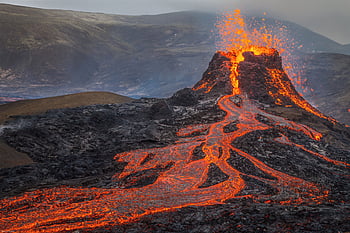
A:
x: 9, y: 157
x: 204, y: 160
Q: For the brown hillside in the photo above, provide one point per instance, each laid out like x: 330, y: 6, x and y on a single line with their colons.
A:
x: 9, y: 157
x: 37, y: 106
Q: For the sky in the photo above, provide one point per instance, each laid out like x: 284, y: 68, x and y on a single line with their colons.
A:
x: 327, y: 17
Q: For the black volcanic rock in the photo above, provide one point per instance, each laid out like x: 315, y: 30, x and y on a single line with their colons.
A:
x: 216, y: 79
x: 242, y: 216
x: 256, y: 81
x: 160, y: 110
x: 143, y: 178
x: 215, y: 176
x: 184, y: 97
x: 271, y: 61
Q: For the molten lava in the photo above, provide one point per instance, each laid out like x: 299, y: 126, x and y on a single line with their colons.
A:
x: 236, y: 39
x: 182, y: 179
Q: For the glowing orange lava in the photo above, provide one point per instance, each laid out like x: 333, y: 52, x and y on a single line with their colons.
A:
x: 235, y: 36
x: 237, y: 39
x: 180, y: 184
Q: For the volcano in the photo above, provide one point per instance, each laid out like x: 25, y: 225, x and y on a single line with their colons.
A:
x: 241, y: 151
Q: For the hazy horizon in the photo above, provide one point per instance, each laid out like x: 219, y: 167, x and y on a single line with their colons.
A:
x: 329, y: 18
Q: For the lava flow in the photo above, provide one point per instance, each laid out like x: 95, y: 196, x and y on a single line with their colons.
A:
x: 175, y: 176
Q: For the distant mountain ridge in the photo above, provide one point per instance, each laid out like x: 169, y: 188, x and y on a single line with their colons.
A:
x: 329, y: 75
x: 49, y: 52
